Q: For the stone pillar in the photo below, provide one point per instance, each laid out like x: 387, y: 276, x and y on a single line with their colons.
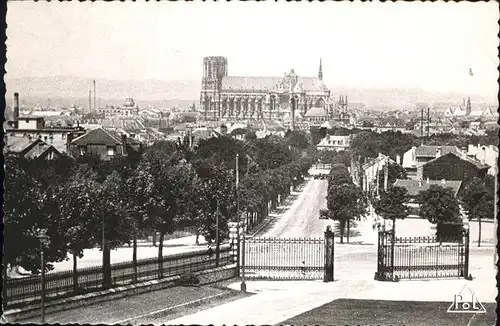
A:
x: 329, y: 255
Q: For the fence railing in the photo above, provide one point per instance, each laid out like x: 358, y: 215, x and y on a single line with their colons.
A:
x: 61, y: 284
x: 422, y: 257
x: 280, y: 258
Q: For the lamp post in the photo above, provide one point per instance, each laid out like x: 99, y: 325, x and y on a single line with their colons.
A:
x: 217, y: 248
x: 44, y: 240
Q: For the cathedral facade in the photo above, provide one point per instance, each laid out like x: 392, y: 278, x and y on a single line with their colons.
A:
x: 225, y: 97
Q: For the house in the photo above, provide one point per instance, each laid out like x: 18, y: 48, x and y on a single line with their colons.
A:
x: 414, y: 187
x: 30, y: 148
x: 486, y: 154
x: 452, y: 166
x: 105, y: 143
x: 316, y: 115
x: 372, y: 169
x: 416, y: 156
x: 334, y: 143
x: 459, y: 111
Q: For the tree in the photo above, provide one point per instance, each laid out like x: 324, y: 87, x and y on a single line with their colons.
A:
x: 113, y: 228
x: 136, y: 191
x: 478, y: 202
x: 165, y: 206
x: 76, y: 212
x: 392, y: 204
x: 394, y: 172
x: 346, y: 202
x: 21, y: 210
x: 298, y: 139
x: 339, y: 175
x: 440, y: 206
x: 250, y: 134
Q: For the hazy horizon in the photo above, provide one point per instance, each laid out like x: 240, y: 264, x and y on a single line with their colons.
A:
x: 428, y: 46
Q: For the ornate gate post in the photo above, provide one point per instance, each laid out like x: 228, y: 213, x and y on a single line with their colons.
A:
x: 467, y: 276
x: 329, y: 254
x: 380, y: 257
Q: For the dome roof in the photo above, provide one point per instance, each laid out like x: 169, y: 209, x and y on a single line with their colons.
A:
x: 129, y: 102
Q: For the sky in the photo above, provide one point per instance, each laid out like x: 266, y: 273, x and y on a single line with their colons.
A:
x: 384, y: 45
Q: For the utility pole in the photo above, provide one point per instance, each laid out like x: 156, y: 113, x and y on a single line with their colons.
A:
x: 95, y: 101
x: 428, y: 121
x: 386, y: 174
x: 422, y: 124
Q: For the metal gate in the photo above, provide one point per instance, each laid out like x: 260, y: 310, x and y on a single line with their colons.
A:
x: 421, y: 257
x: 291, y: 259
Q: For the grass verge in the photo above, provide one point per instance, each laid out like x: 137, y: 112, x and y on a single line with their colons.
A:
x: 375, y: 312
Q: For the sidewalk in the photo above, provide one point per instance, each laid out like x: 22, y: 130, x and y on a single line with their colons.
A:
x: 93, y: 257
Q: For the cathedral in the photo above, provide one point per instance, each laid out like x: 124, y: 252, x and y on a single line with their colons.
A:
x: 226, y: 97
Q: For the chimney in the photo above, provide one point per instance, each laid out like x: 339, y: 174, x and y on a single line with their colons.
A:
x: 438, y: 151
x: 398, y: 159
x: 124, y: 145
x: 16, y: 106
x: 69, y: 139
x: 420, y: 182
x: 428, y: 180
x: 483, y: 154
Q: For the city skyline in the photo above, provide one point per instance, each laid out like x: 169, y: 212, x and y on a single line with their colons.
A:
x: 395, y: 45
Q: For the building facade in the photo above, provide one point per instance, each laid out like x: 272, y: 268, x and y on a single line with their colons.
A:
x: 334, y: 143
x: 246, y: 98
x: 104, y: 143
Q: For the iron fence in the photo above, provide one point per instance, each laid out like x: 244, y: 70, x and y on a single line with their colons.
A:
x: 281, y: 258
x: 422, y: 257
x: 20, y: 291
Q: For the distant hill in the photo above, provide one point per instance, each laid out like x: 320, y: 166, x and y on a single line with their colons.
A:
x: 67, y: 90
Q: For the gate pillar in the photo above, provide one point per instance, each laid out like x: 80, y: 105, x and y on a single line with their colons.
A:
x: 329, y: 253
x: 466, y: 239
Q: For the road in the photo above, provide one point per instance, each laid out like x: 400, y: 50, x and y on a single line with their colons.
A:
x: 302, y: 218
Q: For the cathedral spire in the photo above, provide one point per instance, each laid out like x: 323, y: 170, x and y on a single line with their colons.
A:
x: 320, y: 73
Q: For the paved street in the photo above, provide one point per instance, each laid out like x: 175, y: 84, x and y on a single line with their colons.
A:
x: 301, y: 219
x: 355, y: 265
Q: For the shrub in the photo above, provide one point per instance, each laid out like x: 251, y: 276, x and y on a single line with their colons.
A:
x: 189, y: 279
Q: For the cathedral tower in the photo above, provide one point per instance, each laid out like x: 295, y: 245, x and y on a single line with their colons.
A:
x: 214, y: 69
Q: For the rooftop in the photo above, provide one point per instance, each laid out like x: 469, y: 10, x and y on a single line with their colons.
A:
x: 415, y: 186
x: 101, y: 136
x: 316, y: 112
x: 264, y: 84
x: 430, y: 150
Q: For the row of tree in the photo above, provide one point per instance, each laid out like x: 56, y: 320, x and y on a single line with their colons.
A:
x: 86, y: 203
x: 440, y: 206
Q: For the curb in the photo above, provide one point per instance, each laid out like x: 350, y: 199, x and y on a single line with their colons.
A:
x: 169, y: 310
